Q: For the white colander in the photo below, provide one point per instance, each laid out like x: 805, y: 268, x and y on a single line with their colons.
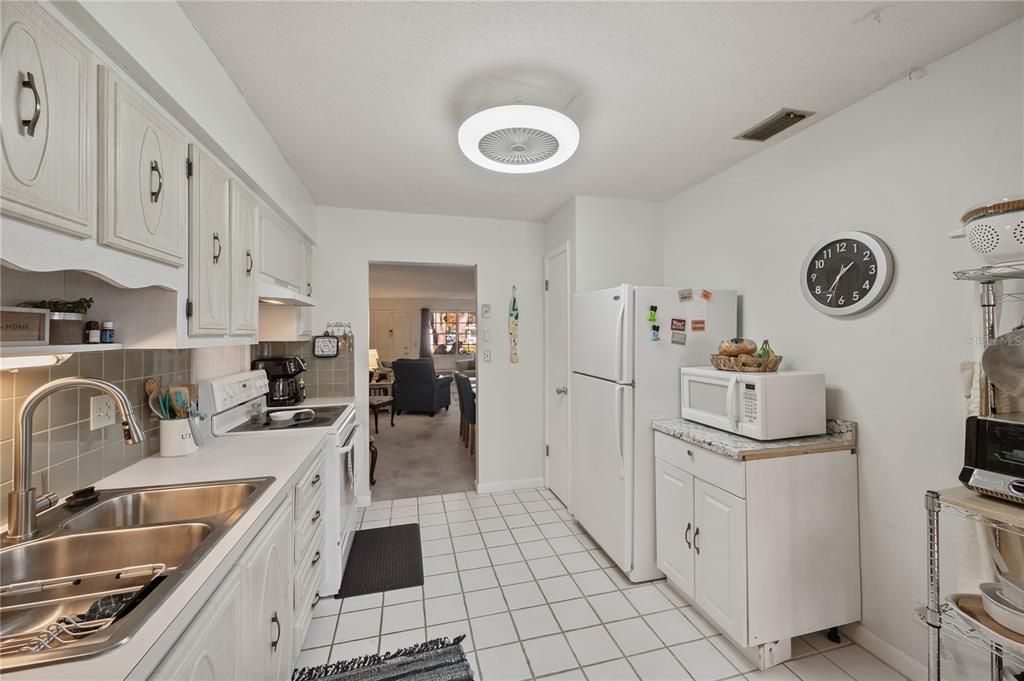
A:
x: 995, y: 230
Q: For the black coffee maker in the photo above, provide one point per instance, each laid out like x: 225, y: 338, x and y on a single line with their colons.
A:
x: 286, y: 385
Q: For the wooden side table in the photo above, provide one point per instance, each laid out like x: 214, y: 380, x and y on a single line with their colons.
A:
x: 379, y: 403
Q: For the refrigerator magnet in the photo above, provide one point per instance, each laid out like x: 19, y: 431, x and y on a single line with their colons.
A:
x: 697, y: 325
x: 652, y: 315
x: 655, y: 333
x: 678, y: 338
x: 679, y: 325
x: 685, y: 295
x: 705, y: 294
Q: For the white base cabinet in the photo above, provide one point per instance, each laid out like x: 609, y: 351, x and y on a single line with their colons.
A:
x: 211, y: 649
x: 766, y: 549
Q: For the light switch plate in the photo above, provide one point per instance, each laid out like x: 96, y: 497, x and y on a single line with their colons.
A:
x: 487, y: 355
x: 485, y: 310
x: 101, y: 412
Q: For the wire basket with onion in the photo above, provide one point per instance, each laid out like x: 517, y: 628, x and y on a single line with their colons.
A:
x: 742, y: 354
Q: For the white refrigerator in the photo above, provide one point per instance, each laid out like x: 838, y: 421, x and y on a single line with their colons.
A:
x: 624, y: 376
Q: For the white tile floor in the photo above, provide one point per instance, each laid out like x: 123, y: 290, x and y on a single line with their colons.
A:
x: 536, y: 598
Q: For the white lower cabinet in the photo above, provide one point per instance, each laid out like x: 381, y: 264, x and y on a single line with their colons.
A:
x: 245, y: 631
x: 267, y: 600
x: 720, y: 547
x: 765, y: 549
x: 211, y: 649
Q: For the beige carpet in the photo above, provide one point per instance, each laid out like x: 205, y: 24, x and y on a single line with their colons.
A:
x: 421, y: 456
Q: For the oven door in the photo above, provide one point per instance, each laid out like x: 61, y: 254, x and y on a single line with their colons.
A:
x: 709, y: 399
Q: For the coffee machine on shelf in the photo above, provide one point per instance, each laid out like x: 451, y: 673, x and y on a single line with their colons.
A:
x: 286, y: 385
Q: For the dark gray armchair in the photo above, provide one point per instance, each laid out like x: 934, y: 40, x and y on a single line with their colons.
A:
x: 418, y: 388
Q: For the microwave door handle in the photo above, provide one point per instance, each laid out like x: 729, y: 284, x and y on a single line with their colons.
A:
x: 618, y: 427
x: 730, y: 402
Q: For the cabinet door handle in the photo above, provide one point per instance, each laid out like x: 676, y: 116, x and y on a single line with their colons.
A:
x: 154, y: 167
x: 689, y: 453
x: 696, y: 533
x: 249, y: 262
x: 277, y: 638
x: 217, y: 248
x: 29, y: 82
x: 309, y: 289
x: 686, y: 535
x: 315, y: 481
x: 316, y: 559
x: 316, y: 517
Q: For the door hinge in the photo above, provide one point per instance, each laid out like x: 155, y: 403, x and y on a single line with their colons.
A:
x: 547, y: 450
x: 188, y: 167
x: 545, y: 284
x: 188, y: 308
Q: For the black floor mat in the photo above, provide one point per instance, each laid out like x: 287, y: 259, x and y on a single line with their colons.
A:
x: 383, y: 559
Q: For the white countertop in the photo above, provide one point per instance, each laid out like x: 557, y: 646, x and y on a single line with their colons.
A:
x: 281, y: 454
x: 840, y: 435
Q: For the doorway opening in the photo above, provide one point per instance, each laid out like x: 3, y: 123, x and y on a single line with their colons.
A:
x: 423, y: 378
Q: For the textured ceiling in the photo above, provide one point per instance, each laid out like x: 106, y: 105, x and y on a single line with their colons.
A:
x: 394, y: 280
x: 365, y: 98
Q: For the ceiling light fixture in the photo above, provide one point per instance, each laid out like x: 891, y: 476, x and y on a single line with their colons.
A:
x: 518, y: 138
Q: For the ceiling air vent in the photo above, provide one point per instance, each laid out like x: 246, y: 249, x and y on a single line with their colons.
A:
x: 774, y: 124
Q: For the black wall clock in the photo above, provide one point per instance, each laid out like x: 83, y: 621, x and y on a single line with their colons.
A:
x: 846, y: 273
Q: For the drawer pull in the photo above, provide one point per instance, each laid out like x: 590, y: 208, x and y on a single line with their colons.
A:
x: 315, y: 518
x: 316, y: 559
x: 689, y: 453
x: 315, y: 481
x: 696, y: 533
x: 686, y: 535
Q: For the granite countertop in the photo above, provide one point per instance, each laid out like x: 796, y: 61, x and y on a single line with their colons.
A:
x: 841, y: 435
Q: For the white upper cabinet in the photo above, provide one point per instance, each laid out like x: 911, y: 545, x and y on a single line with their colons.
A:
x: 142, y: 199
x: 210, y: 252
x: 307, y: 268
x: 281, y: 252
x: 244, y: 258
x: 44, y: 125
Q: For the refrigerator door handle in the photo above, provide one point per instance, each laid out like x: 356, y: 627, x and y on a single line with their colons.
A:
x: 620, y: 329
x: 730, y: 403
x: 619, y: 389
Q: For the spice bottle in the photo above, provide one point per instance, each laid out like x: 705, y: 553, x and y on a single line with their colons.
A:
x: 107, y: 332
x: 92, y: 332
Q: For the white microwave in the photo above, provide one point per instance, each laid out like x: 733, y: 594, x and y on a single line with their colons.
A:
x: 763, y: 406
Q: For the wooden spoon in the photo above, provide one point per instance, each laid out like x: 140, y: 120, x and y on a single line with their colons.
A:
x: 151, y: 386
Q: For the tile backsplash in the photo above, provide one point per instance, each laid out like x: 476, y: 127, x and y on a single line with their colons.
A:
x: 324, y: 377
x: 66, y: 455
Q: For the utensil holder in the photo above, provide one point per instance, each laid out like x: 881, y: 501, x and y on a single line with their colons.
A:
x: 176, y: 438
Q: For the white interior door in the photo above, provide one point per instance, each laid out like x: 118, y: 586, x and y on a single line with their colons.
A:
x: 556, y: 379
x: 602, y: 464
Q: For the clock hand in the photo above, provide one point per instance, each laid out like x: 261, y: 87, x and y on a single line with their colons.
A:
x: 839, y: 276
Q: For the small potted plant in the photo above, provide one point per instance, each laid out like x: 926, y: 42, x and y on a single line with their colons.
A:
x: 67, y: 318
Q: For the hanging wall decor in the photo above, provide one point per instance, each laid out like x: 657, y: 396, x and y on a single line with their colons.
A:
x: 513, y: 328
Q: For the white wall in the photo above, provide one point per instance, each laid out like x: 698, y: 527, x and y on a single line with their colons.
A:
x: 904, y: 164
x: 506, y: 253
x: 617, y: 241
x: 156, y: 44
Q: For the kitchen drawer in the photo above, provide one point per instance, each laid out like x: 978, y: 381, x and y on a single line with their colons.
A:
x: 309, y: 571
x: 306, y: 526
x: 721, y: 471
x: 310, y: 484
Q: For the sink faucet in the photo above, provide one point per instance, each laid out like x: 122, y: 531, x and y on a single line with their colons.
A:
x: 21, y: 502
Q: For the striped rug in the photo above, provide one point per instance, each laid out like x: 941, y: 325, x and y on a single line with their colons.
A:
x: 437, y: 660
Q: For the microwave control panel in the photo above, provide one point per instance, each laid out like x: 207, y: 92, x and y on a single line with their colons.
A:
x: 749, y: 400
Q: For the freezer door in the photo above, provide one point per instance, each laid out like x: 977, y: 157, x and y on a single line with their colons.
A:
x: 602, y: 464
x: 602, y: 334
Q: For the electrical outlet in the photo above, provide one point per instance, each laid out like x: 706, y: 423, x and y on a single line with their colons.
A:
x: 101, y: 412
x: 485, y: 311
x: 487, y: 355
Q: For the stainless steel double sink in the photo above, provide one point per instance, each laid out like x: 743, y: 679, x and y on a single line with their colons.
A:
x: 124, y: 541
